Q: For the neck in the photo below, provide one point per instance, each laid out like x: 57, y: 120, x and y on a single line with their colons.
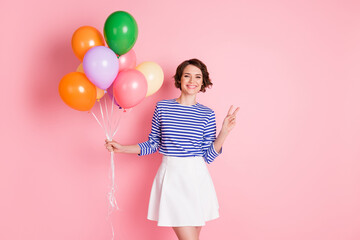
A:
x: 187, y: 99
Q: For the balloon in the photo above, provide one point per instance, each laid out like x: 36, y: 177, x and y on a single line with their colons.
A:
x: 99, y: 92
x: 85, y: 38
x: 80, y: 68
x: 154, y: 76
x: 111, y: 94
x: 128, y: 60
x: 120, y: 32
x: 129, y: 88
x: 77, y: 91
x: 101, y: 66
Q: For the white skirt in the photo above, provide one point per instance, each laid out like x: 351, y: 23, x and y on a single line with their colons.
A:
x: 183, y: 193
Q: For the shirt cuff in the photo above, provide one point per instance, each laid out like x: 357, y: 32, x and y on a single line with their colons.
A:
x: 214, y: 151
x: 142, y: 148
x: 211, y: 154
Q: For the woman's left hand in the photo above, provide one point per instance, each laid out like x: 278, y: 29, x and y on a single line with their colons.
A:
x: 230, y: 120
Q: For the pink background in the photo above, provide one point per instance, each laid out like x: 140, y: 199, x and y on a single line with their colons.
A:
x: 290, y: 169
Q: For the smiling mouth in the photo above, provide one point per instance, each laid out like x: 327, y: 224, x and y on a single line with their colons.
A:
x: 191, y: 86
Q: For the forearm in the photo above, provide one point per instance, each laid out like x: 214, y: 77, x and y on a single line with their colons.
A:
x: 129, y: 149
x: 219, y: 141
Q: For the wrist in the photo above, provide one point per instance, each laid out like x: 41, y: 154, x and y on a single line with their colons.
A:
x: 224, y: 132
x: 119, y: 149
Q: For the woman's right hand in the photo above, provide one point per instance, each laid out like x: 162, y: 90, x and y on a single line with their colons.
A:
x: 113, y: 146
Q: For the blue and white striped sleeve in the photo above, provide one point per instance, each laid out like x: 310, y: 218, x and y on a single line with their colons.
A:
x: 208, y: 142
x: 153, y: 144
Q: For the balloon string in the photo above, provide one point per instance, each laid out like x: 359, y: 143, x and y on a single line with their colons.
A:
x: 96, y: 119
x: 116, y: 121
x: 107, y: 116
x: 112, y: 110
x: 102, y: 115
x: 112, y: 230
x: 112, y: 226
x: 117, y: 127
x: 112, y: 198
x: 111, y: 195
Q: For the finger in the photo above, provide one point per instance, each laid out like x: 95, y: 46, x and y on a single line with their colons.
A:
x: 229, y: 112
x: 230, y: 118
x: 236, y: 111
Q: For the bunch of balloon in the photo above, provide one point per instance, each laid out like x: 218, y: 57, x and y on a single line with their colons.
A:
x: 109, y: 71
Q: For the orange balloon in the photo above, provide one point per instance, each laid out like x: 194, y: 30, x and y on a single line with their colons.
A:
x: 85, y: 38
x: 77, y: 91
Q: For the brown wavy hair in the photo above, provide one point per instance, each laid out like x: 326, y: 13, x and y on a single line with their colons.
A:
x: 197, y: 63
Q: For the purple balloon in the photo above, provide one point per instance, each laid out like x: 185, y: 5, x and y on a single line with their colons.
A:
x: 101, y: 66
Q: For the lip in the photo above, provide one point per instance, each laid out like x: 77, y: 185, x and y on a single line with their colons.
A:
x: 191, y: 86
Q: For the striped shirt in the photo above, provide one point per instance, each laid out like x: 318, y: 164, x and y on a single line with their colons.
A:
x: 182, y: 131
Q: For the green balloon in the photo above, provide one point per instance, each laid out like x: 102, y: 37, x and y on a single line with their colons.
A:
x: 120, y: 32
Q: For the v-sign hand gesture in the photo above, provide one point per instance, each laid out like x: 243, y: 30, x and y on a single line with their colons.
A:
x: 230, y: 120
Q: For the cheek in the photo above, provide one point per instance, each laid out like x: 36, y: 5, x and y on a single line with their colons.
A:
x: 182, y: 82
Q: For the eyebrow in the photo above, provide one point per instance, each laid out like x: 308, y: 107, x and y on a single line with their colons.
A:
x: 195, y: 74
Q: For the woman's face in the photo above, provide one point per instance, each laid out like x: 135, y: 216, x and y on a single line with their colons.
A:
x: 191, y: 80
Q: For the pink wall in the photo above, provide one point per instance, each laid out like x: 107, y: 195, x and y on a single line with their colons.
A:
x: 290, y: 170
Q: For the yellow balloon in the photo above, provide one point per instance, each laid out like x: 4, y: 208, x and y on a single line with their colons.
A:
x: 154, y: 76
x: 99, y: 92
x: 80, y: 68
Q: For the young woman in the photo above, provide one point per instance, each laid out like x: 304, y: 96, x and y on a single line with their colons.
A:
x: 184, y: 131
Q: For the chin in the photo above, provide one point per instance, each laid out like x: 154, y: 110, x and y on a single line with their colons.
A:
x: 190, y: 93
x: 193, y: 91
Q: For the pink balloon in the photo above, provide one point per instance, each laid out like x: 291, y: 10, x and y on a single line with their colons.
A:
x: 128, y: 60
x: 129, y: 88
